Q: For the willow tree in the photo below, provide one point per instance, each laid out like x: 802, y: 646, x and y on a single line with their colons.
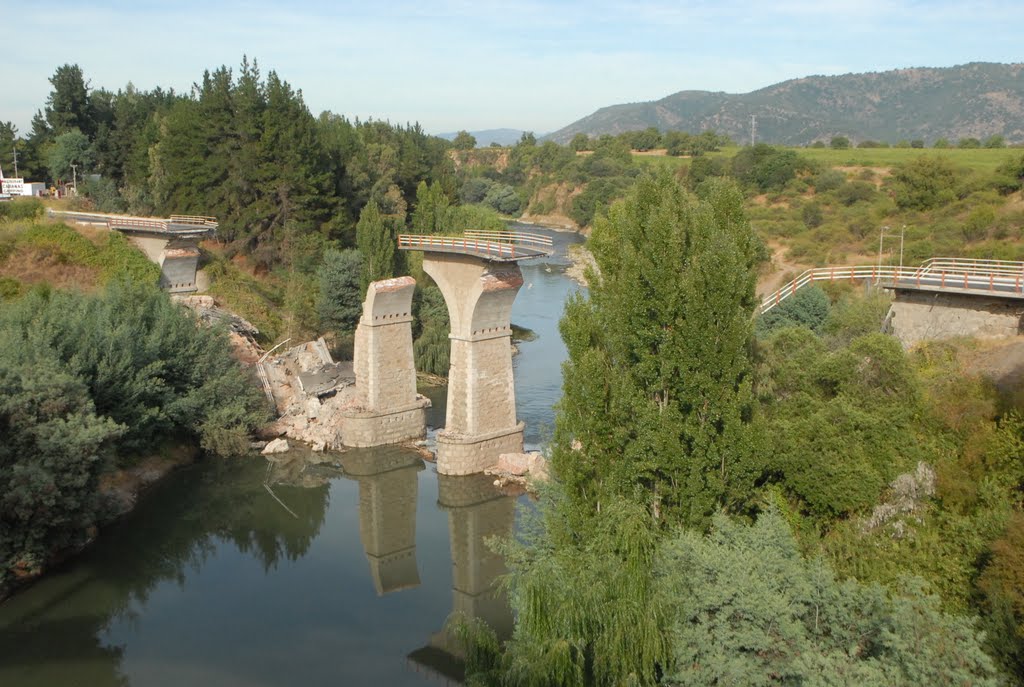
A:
x: 657, y: 388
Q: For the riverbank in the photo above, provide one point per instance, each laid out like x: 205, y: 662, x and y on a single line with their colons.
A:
x: 119, y: 491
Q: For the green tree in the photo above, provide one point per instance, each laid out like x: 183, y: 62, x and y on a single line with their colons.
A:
x: 968, y: 142
x: 340, y: 297
x: 994, y: 141
x: 657, y: 385
x: 464, y: 141
x: 839, y: 143
x: 376, y: 243
x: 941, y: 143
x: 54, y: 449
x: 431, y: 209
x: 925, y: 182
x: 70, y: 148
x: 68, y: 106
x: 579, y: 142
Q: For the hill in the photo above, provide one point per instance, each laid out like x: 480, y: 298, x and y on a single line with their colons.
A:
x: 486, y: 137
x: 972, y: 100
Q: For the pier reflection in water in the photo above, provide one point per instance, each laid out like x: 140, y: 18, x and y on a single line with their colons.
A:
x: 388, y: 488
x: 477, y: 512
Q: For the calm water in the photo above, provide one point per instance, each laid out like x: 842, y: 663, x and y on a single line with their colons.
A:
x: 291, y: 573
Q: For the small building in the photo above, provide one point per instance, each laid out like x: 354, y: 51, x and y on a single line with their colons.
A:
x: 15, y: 187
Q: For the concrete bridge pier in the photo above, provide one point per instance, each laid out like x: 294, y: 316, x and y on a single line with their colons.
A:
x: 388, y: 410
x: 481, y: 416
x: 178, y: 259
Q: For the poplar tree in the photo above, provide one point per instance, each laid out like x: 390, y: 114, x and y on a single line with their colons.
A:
x: 657, y: 388
x: 375, y: 241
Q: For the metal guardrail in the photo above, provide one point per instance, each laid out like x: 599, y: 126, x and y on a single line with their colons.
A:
x: 490, y: 245
x: 956, y: 275
x: 176, y: 224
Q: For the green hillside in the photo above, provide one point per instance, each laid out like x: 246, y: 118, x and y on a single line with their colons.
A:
x: 972, y: 100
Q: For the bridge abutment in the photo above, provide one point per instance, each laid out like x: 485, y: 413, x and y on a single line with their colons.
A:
x: 917, y: 316
x: 388, y: 410
x: 480, y: 423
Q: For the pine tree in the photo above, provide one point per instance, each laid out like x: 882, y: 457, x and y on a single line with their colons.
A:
x: 657, y: 389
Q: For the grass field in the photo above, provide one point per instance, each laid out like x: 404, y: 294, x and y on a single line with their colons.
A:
x: 978, y: 159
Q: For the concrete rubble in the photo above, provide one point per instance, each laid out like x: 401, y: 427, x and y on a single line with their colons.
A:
x: 311, y: 391
x: 241, y: 332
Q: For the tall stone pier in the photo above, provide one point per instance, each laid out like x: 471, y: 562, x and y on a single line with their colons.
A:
x: 387, y: 409
x: 481, y: 416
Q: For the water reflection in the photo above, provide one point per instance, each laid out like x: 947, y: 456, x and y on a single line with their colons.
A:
x: 256, y: 573
x: 388, y: 488
x: 477, y: 513
x: 55, y: 632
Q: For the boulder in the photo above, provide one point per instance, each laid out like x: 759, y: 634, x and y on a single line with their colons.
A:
x: 276, y: 446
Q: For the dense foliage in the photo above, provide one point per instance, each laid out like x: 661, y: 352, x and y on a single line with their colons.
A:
x: 90, y: 381
x: 884, y: 489
x: 658, y: 383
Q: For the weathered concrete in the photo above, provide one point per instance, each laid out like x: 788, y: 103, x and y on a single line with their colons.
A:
x: 178, y: 260
x: 481, y: 416
x: 476, y: 512
x: 917, y: 316
x: 387, y: 409
x: 388, y: 488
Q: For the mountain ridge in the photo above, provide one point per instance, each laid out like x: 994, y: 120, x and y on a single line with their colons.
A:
x: 977, y: 99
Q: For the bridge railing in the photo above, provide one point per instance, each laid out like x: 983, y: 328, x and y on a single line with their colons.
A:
x: 195, y: 220
x: 1000, y: 277
x: 519, y: 238
x: 494, y: 245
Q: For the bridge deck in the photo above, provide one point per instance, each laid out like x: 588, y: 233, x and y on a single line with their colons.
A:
x: 493, y: 246
x: 179, y: 226
x: 994, y: 278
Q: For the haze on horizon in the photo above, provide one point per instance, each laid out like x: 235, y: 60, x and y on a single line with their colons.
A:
x: 525, y: 64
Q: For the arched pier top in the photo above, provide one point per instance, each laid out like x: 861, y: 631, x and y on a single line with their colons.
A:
x: 479, y: 294
x: 388, y: 301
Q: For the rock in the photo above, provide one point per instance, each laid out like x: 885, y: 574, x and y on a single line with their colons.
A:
x: 513, y: 463
x: 319, y: 446
x: 276, y: 446
x: 313, y: 408
x: 257, y: 445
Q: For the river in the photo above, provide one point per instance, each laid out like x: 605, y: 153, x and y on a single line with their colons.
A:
x: 292, y: 572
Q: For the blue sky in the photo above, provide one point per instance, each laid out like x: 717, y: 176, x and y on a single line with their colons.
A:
x: 476, y: 64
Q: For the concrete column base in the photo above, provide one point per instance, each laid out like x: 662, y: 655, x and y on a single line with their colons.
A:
x: 467, y: 455
x: 366, y: 428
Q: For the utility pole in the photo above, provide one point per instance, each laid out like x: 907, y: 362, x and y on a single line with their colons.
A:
x: 74, y: 181
x: 753, y: 130
x: 15, y: 162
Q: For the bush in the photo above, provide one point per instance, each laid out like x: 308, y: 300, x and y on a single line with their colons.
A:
x: 828, y: 180
x: 82, y: 376
x: 21, y: 209
x: 855, y: 192
x: 808, y: 307
x: 812, y: 215
x: 925, y: 183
